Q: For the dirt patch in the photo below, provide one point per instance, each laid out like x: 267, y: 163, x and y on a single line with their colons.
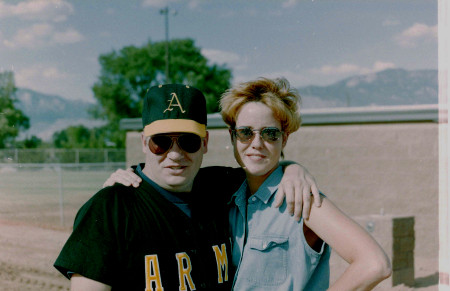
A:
x: 27, y: 254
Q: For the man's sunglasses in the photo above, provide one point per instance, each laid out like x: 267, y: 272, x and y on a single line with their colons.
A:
x: 246, y: 134
x: 160, y: 143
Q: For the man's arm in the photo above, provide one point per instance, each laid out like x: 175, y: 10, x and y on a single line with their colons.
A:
x: 80, y: 283
x: 296, y: 186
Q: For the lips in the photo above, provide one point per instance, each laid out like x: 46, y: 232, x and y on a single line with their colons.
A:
x: 256, y: 157
x: 175, y: 169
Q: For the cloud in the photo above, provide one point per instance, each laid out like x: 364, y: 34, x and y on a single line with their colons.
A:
x: 352, y: 69
x: 223, y: 57
x: 42, y: 35
x: 110, y: 11
x: 417, y: 34
x: 40, y: 77
x: 158, y: 3
x: 381, y: 66
x: 289, y: 3
x: 296, y: 79
x: 192, y: 4
x: 338, y: 70
x: 390, y: 22
x: 69, y: 36
x: 327, y: 74
x: 42, y: 10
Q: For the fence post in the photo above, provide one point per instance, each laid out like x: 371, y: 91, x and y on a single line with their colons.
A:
x: 61, y: 197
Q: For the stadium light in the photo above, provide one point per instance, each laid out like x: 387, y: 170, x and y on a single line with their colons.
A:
x: 165, y: 11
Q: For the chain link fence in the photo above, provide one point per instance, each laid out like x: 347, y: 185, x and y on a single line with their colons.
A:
x: 47, y: 187
x: 65, y: 156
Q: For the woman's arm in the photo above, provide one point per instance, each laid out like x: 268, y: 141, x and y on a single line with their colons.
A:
x: 369, y: 264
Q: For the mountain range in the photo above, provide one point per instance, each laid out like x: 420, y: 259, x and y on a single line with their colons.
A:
x: 51, y: 113
x: 386, y: 88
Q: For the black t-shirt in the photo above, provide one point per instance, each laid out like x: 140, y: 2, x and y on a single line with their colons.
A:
x: 135, y: 239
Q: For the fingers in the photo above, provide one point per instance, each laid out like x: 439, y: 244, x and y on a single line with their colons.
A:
x: 317, y: 197
x: 315, y: 193
x: 108, y: 182
x: 279, y: 196
x: 298, y: 200
x: 306, y: 195
x: 289, y: 190
x: 124, y: 177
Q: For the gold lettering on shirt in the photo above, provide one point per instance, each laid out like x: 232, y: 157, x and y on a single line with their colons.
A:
x: 174, y: 97
x: 184, y: 271
x: 152, y: 274
x: 222, y: 262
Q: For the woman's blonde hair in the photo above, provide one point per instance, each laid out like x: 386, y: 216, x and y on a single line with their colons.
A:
x: 275, y: 93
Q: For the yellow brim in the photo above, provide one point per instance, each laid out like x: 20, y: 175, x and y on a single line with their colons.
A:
x: 175, y: 125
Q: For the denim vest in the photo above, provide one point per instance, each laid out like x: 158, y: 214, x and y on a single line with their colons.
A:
x: 269, y: 247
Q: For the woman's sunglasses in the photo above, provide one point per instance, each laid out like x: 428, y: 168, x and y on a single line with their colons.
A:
x: 159, y: 144
x: 246, y: 134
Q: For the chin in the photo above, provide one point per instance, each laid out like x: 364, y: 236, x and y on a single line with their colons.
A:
x: 257, y: 171
x: 177, y: 182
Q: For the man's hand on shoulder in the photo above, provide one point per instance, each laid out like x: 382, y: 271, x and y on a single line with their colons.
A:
x: 296, y: 188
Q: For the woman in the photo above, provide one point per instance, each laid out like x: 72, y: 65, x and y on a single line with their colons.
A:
x: 272, y: 251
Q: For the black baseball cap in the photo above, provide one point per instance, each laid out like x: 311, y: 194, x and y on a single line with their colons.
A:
x: 174, y: 108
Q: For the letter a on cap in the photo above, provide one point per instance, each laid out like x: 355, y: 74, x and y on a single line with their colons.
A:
x: 174, y: 96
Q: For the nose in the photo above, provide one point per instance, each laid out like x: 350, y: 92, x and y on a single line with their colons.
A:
x: 257, y: 141
x: 175, y: 153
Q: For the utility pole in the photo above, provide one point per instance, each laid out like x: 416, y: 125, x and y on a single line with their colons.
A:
x: 165, y: 12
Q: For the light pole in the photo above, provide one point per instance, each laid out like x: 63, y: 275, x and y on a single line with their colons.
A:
x: 165, y: 12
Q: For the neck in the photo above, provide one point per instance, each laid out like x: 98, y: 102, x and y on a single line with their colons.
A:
x: 254, y: 182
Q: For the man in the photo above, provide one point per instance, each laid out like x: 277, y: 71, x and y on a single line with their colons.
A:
x: 171, y: 232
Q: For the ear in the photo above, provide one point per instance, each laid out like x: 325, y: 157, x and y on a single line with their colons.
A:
x: 144, y: 144
x: 285, y: 139
x: 205, y: 143
x: 231, y: 134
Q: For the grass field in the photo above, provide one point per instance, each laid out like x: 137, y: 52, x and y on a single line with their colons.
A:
x: 36, y: 196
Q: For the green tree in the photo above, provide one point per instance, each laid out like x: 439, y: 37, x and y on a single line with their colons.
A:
x: 32, y: 142
x: 76, y: 137
x: 126, y: 75
x: 12, y: 120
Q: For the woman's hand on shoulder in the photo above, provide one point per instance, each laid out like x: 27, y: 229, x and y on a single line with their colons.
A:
x: 125, y: 177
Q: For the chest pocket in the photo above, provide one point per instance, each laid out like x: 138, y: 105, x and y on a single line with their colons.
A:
x: 266, y: 260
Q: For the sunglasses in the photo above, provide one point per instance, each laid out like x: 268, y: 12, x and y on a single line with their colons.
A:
x: 159, y: 144
x: 246, y: 134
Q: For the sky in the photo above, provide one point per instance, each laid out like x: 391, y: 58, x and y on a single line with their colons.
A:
x: 52, y: 46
